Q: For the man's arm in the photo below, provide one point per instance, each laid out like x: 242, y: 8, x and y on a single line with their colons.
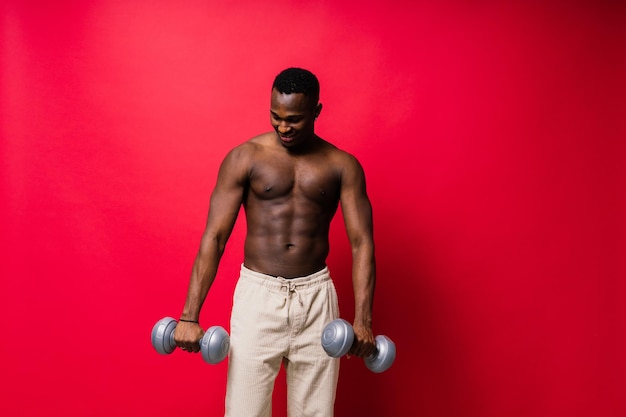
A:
x: 357, y: 213
x: 225, y: 202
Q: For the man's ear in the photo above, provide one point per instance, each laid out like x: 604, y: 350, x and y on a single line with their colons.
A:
x: 318, y: 110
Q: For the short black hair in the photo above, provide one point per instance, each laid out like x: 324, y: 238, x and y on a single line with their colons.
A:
x: 298, y: 80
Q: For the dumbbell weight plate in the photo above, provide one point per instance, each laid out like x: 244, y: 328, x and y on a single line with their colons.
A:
x: 384, y: 356
x: 214, y: 345
x: 337, y: 338
x: 163, y: 335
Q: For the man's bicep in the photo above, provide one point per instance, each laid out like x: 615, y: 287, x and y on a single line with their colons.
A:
x: 233, y: 171
x: 355, y: 204
x: 227, y: 195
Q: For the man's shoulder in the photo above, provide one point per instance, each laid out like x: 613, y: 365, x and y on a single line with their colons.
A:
x: 251, y: 146
x: 264, y: 139
x: 345, y: 162
x: 339, y: 155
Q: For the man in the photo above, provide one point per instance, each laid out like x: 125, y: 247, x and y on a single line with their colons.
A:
x: 290, y: 182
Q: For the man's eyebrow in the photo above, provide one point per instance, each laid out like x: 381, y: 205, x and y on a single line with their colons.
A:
x: 291, y: 116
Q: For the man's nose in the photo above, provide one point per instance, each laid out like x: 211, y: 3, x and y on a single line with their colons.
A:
x: 283, y: 127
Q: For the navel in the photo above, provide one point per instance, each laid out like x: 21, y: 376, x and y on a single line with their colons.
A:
x: 290, y: 246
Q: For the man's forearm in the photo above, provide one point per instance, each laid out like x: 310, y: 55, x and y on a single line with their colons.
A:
x: 202, y: 276
x: 364, y: 282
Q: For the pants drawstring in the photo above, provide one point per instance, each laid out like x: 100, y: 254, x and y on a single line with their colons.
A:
x: 290, y: 288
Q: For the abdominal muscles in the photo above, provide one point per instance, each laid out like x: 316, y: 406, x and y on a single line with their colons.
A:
x: 280, y: 242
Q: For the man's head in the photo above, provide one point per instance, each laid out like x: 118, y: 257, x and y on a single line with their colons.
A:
x: 294, y: 106
x: 298, y: 80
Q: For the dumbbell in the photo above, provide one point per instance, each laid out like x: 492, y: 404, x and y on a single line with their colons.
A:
x: 213, y: 345
x: 337, y: 339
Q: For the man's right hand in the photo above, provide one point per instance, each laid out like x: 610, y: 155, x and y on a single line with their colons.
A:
x: 187, y: 336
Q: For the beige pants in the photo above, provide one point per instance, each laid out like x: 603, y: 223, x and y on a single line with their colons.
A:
x: 278, y: 321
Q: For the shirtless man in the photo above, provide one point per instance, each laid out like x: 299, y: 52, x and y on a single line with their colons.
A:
x: 290, y: 182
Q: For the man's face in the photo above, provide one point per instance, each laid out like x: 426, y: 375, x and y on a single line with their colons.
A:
x: 293, y: 117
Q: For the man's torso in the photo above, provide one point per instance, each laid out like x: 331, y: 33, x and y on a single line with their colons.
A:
x: 290, y: 201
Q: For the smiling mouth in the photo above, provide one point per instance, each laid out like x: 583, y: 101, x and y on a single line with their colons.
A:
x: 286, y: 139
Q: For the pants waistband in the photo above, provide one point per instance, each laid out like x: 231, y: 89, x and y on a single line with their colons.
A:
x: 280, y: 283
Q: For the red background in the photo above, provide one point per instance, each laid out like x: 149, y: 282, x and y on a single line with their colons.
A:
x: 493, y: 138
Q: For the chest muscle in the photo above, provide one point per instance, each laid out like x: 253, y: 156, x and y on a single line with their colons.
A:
x: 314, y: 181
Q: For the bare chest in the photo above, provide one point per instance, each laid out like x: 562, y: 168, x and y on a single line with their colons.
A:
x: 314, y: 179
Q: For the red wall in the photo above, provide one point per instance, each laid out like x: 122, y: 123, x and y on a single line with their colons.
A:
x: 493, y: 137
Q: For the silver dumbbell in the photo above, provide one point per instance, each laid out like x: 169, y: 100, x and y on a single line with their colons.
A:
x: 213, y: 345
x: 337, y: 339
